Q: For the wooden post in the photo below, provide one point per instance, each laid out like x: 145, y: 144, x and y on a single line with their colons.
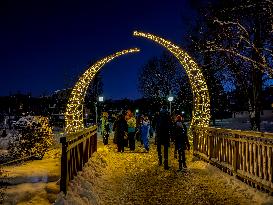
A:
x: 210, y: 145
x: 193, y: 131
x: 96, y: 141
x: 64, y: 180
x: 235, y: 155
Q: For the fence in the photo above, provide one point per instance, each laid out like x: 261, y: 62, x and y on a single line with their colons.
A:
x: 77, y: 148
x: 245, y: 154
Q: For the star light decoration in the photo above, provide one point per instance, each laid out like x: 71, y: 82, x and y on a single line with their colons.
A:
x: 201, y: 100
x: 74, y: 108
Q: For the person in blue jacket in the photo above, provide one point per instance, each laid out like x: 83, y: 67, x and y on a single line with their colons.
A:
x: 145, y: 130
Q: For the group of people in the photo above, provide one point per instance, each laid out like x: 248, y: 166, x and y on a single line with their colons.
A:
x: 127, y: 129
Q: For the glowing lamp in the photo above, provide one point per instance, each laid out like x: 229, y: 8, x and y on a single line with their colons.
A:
x: 170, y: 98
x: 100, y: 99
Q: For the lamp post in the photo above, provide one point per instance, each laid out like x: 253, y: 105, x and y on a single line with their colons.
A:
x: 96, y: 110
x: 170, y: 99
x: 100, y: 100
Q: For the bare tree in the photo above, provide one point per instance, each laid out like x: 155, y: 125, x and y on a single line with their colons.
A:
x: 239, y: 32
x: 163, y: 76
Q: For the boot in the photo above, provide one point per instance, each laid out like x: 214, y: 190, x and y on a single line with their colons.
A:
x: 160, y: 161
x: 180, y: 166
x: 166, y: 167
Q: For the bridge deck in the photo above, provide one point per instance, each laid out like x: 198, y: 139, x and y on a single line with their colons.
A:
x: 135, y: 178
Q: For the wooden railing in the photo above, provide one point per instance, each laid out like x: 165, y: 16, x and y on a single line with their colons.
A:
x: 77, y: 148
x: 245, y: 154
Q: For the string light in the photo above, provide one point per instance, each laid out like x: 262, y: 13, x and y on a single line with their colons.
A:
x: 74, y: 108
x: 201, y: 100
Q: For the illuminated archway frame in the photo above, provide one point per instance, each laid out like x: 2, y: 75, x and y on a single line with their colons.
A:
x: 74, y: 107
x: 201, y: 100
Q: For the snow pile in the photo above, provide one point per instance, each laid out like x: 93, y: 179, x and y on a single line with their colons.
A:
x: 11, y: 136
x: 31, y: 193
x: 32, y: 182
x: 81, y: 190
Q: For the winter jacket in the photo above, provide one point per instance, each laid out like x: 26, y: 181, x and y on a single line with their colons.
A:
x: 120, y: 127
x: 180, y: 135
x: 131, y: 124
x: 163, y: 127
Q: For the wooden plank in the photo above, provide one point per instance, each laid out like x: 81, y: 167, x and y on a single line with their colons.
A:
x: 74, y: 144
x: 64, y: 169
x: 255, y: 160
x: 247, y: 156
x: 264, y: 162
x: 259, y: 161
x: 235, y: 156
x: 251, y: 158
x: 240, y: 155
x: 244, y: 157
x: 270, y: 167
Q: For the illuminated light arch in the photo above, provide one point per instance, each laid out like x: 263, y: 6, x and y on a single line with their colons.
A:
x: 74, y: 108
x: 201, y: 100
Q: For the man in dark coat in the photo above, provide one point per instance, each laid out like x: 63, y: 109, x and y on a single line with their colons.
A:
x: 120, y: 128
x: 163, y: 135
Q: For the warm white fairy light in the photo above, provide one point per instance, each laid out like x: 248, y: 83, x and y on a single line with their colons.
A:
x: 201, y: 100
x: 74, y: 109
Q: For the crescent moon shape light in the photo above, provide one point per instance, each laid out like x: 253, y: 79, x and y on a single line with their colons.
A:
x: 201, y: 100
x: 74, y: 108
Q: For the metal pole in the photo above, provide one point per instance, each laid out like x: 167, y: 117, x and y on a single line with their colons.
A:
x: 96, y: 114
x: 170, y: 107
x: 64, y: 168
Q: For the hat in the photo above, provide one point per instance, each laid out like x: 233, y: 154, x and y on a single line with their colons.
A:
x: 179, y: 118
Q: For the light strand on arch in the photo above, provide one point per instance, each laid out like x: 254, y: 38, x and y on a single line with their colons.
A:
x: 201, y: 100
x: 74, y: 107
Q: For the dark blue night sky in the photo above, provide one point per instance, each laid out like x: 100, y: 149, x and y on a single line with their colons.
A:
x: 44, y: 43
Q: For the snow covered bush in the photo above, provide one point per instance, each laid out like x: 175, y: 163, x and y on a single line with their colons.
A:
x: 4, y: 142
x: 34, y: 138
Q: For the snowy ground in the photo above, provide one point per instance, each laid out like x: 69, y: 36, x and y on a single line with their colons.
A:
x: 135, y: 178
x: 244, y: 124
x: 33, y: 182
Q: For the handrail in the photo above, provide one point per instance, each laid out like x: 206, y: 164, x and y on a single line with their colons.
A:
x: 245, y: 154
x: 75, y: 135
x: 77, y: 148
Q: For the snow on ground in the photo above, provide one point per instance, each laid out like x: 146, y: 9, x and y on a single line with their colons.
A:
x: 244, y: 124
x: 135, y: 178
x: 33, y: 182
x: 31, y: 193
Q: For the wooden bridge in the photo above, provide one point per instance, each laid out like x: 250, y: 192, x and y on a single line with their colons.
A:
x: 245, y: 154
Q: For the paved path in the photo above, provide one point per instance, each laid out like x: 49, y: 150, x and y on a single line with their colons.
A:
x: 136, y: 178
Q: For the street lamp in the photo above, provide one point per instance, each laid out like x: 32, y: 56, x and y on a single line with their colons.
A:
x: 170, y: 99
x: 100, y: 100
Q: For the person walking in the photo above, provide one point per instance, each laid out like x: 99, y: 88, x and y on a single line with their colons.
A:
x: 115, y: 119
x: 131, y: 122
x: 145, y: 132
x: 120, y: 128
x: 163, y: 129
x: 105, y: 128
x: 181, y: 141
x: 154, y: 123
